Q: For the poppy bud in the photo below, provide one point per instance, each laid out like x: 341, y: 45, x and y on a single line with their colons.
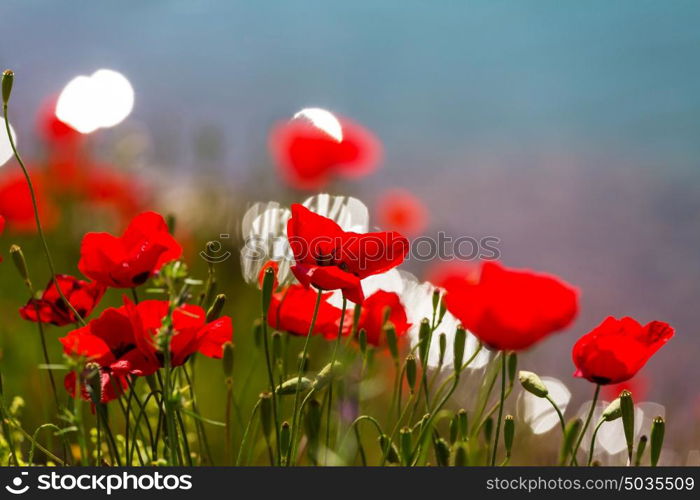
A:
x: 658, y: 427
x: 356, y: 312
x: 227, y: 359
x: 20, y: 264
x: 93, y: 382
x: 512, y: 366
x: 488, y: 429
x: 571, y: 431
x: 215, y: 310
x: 362, y: 339
x: 436, y: 299
x: 612, y: 412
x: 8, y: 77
x: 442, y: 341
x: 290, y: 386
x: 267, y: 289
x: 443, y: 311
x: 325, y: 376
x: 460, y: 457
x: 411, y: 372
x: 312, y: 424
x: 170, y: 221
x: 405, y: 445
x: 454, y: 429
x: 533, y: 384
x: 423, y: 340
x: 463, y: 423
x: 641, y: 446
x: 627, y: 409
x: 258, y: 332
x: 442, y: 452
x: 277, y: 346
x: 392, y: 454
x: 306, y: 361
x: 266, y: 412
x: 508, y: 433
x: 285, y: 438
x: 458, y: 348
x: 390, y: 333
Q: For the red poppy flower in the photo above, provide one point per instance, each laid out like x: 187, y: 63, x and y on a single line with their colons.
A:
x: 330, y: 259
x: 108, y: 341
x: 399, y: 210
x: 16, y: 202
x: 291, y: 310
x: 510, y: 309
x: 51, y: 308
x: 129, y: 260
x: 309, y: 156
x: 617, y: 349
x: 374, y: 311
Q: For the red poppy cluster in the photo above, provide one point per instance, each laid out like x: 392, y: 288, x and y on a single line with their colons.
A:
x: 51, y: 308
x: 309, y: 156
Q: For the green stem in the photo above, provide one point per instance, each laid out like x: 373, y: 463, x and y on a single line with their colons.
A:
x: 244, y: 440
x: 271, y: 380
x: 595, y: 433
x: 295, y: 413
x: 585, y: 425
x: 500, y: 408
x: 330, y: 389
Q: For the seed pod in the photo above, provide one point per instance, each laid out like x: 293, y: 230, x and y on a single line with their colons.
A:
x: 215, y: 310
x: 508, y: 433
x: 390, y: 333
x: 405, y: 445
x: 627, y: 409
x: 326, y: 375
x: 442, y: 452
x: 392, y: 454
x: 533, y: 384
x: 266, y: 412
x: 463, y: 423
x: 423, y: 340
x: 641, y: 446
x: 290, y: 386
x: 612, y: 412
x: 571, y: 431
x: 658, y: 428
x: 20, y: 263
x: 93, y: 382
x: 458, y: 348
x: 267, y: 289
x: 411, y: 370
x: 8, y: 77
x: 443, y: 348
x: 227, y: 359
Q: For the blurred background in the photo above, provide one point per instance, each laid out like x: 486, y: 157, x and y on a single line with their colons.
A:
x: 567, y: 130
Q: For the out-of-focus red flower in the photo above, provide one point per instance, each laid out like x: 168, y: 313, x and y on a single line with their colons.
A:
x: 330, y: 259
x: 191, y: 331
x: 399, y: 210
x: 617, y: 349
x: 377, y: 308
x: 309, y: 156
x: 291, y: 310
x: 107, y: 187
x: 54, y: 131
x: 510, y: 309
x: 441, y: 272
x: 16, y: 202
x: 51, y: 308
x: 129, y: 260
x: 637, y: 385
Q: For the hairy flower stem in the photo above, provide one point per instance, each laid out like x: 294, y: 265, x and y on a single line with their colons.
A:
x: 595, y: 434
x: 585, y: 425
x: 244, y: 440
x: 500, y: 408
x: 271, y: 381
x: 302, y: 359
x: 37, y: 219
